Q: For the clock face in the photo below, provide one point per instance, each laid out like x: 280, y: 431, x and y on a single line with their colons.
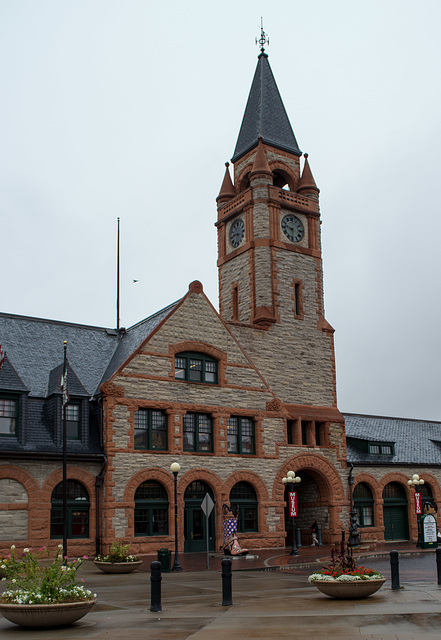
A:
x: 237, y: 232
x: 292, y: 227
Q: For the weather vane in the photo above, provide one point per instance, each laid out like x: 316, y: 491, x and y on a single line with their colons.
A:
x: 263, y: 37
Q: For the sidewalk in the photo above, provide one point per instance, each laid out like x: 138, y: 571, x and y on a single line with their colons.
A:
x: 280, y: 558
x: 266, y: 605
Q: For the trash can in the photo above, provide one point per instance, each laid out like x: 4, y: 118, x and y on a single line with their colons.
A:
x: 164, y: 557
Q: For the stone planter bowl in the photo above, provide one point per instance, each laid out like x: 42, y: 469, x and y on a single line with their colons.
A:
x: 46, y: 615
x: 117, y: 567
x: 349, y: 590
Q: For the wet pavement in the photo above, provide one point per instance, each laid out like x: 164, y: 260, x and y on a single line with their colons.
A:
x: 271, y: 598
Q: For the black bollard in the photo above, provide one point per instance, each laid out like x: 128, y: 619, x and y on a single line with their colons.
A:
x: 155, y: 586
x: 394, y: 570
x: 227, y: 586
x: 438, y: 564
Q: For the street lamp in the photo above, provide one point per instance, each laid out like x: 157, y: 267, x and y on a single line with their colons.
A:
x: 290, y: 480
x: 175, y: 468
x: 415, y: 482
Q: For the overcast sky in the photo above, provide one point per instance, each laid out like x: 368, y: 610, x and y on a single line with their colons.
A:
x: 130, y: 108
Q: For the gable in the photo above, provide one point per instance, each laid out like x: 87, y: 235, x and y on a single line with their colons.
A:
x: 193, y: 326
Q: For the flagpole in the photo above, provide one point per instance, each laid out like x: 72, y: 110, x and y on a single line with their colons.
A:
x: 117, y: 278
x: 64, y: 400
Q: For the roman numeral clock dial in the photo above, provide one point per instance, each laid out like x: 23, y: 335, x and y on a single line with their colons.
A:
x: 292, y: 227
x: 237, y: 232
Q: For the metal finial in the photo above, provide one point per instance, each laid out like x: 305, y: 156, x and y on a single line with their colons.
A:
x: 263, y: 37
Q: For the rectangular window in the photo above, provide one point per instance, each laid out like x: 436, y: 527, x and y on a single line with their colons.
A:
x: 151, y: 521
x: 210, y: 371
x: 241, y: 435
x: 195, y: 373
x: 235, y: 297
x: 150, y: 430
x: 381, y: 449
x: 367, y: 517
x: 73, y: 421
x: 8, y: 416
x: 198, y: 432
x: 298, y: 299
x: 180, y: 366
x: 305, y: 426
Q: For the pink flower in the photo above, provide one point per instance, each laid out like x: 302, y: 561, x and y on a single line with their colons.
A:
x: 85, y: 557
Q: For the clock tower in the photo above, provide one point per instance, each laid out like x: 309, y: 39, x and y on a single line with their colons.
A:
x: 269, y: 252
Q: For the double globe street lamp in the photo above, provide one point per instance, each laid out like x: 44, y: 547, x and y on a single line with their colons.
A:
x: 290, y: 481
x: 416, y: 482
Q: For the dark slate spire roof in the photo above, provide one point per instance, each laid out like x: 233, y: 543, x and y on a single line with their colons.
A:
x: 74, y: 386
x: 265, y: 115
x: 9, y: 378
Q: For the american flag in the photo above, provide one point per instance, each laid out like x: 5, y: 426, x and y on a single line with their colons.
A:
x: 64, y: 387
x: 2, y: 356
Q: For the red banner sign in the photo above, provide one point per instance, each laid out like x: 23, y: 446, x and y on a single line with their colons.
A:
x: 418, y: 504
x: 292, y: 504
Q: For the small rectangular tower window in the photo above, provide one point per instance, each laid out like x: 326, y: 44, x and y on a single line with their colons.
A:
x: 298, y: 299
x: 235, y: 302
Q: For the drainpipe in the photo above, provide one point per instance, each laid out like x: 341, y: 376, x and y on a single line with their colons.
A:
x: 354, y: 536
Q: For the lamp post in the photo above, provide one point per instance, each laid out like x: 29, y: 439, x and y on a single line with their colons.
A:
x: 415, y: 482
x: 175, y: 467
x: 290, y: 480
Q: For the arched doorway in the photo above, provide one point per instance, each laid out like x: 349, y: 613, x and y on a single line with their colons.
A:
x: 195, y: 529
x: 312, y: 505
x: 396, y: 523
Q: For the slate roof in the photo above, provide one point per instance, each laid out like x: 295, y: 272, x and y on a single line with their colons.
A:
x: 35, y: 346
x: 133, y: 338
x: 416, y: 442
x: 33, y: 365
x: 34, y: 350
x: 265, y: 115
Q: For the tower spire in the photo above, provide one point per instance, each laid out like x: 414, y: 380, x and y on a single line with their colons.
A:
x: 265, y: 115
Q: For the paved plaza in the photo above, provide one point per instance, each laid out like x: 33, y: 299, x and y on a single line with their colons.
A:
x: 274, y: 603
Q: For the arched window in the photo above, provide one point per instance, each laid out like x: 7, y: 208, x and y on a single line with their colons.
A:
x: 78, y: 506
x: 151, y: 509
x: 394, y: 492
x: 364, y: 505
x: 195, y: 367
x: 243, y: 497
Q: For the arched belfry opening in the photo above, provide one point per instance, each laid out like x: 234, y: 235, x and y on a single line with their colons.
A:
x: 282, y: 180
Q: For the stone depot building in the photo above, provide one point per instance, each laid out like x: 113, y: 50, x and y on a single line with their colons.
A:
x: 238, y: 397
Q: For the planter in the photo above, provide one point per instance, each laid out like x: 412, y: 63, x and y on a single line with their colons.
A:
x: 46, y: 615
x: 117, y: 567
x: 349, y: 590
